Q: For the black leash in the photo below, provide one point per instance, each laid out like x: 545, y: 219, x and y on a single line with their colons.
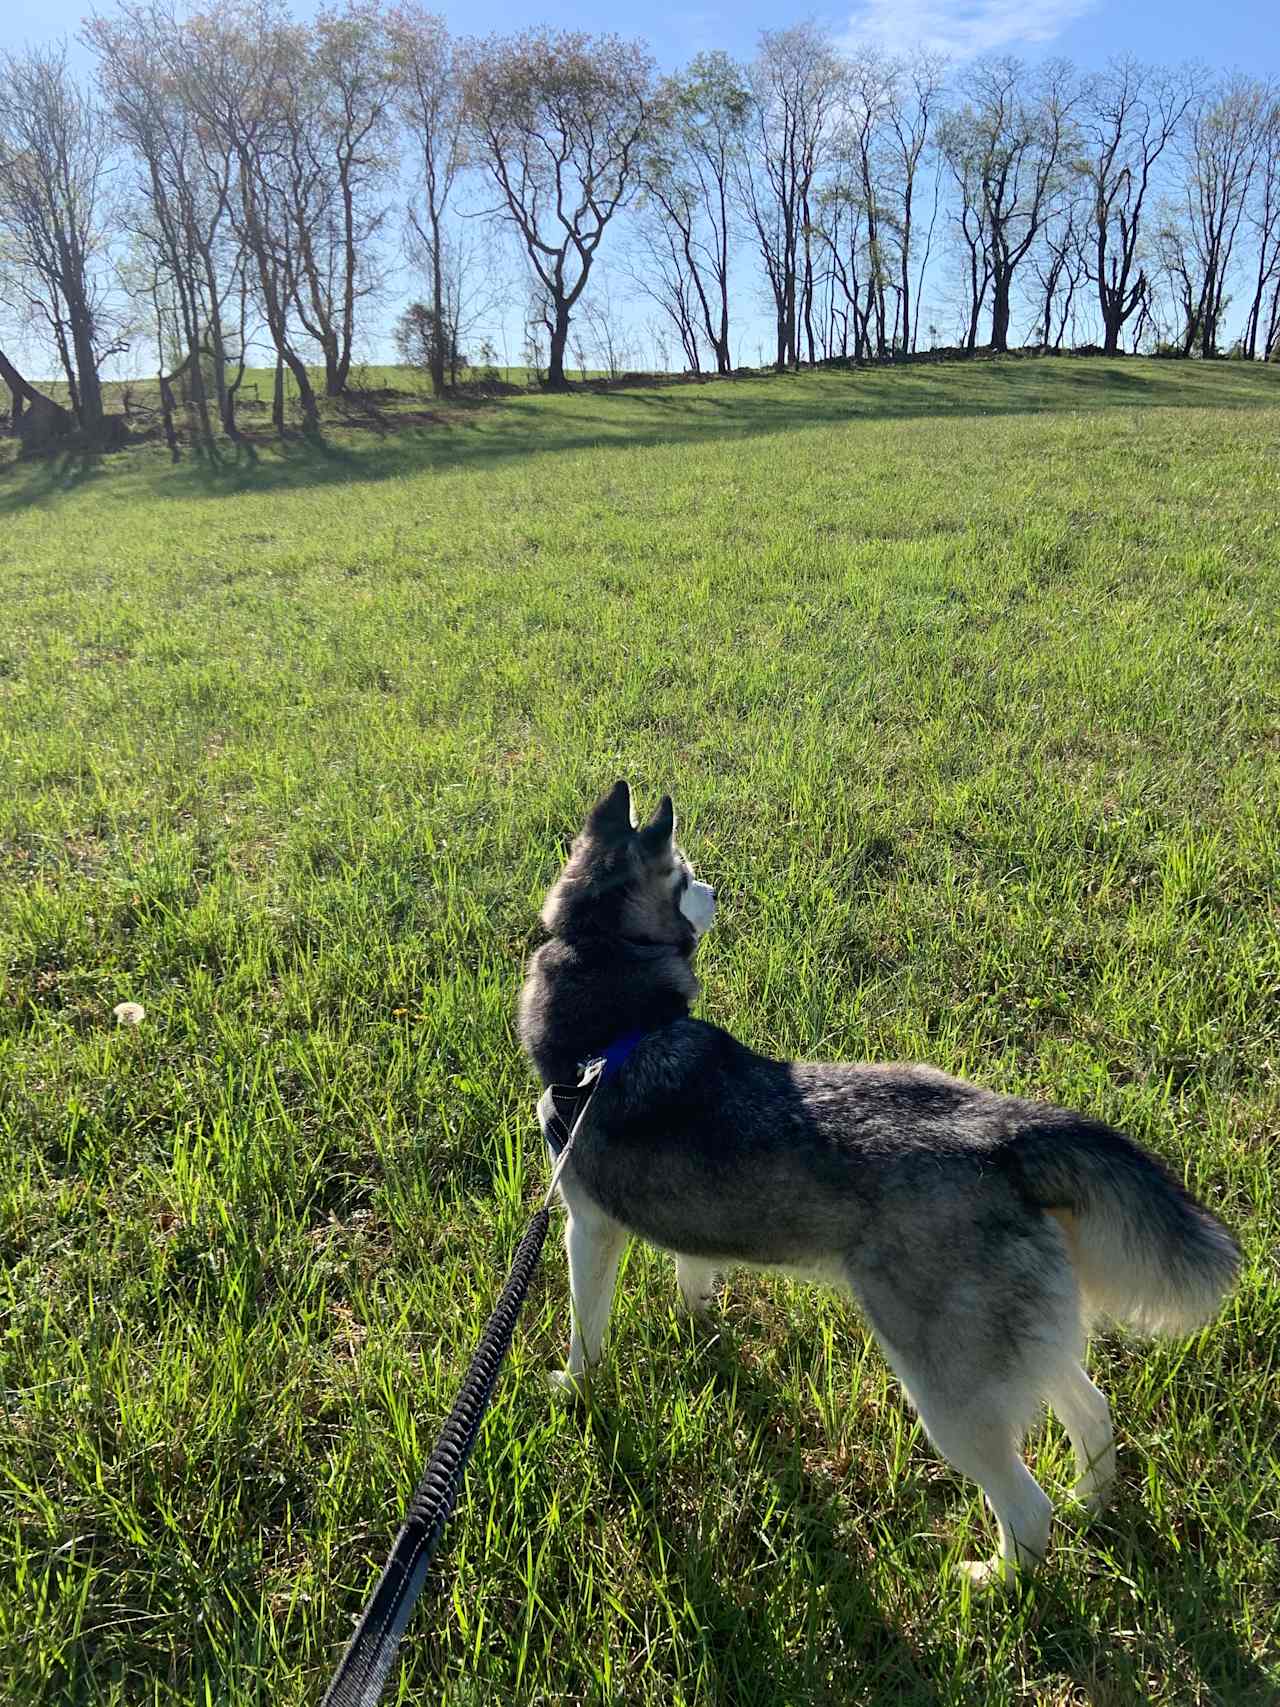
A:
x: 371, y: 1652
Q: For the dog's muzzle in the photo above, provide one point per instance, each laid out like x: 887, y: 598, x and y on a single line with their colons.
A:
x: 698, y: 904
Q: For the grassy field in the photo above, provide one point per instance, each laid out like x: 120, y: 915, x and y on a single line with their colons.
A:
x: 967, y: 682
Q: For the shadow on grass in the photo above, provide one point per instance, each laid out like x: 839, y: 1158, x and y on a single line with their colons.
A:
x: 1192, y: 1640
x: 754, y: 1663
x: 489, y: 433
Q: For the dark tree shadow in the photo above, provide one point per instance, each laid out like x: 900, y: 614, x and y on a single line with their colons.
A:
x: 491, y: 432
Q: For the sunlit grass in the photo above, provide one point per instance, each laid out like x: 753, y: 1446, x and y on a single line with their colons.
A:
x: 967, y: 683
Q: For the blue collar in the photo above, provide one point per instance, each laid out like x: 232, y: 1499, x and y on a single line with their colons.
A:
x: 560, y: 1106
x: 619, y: 1052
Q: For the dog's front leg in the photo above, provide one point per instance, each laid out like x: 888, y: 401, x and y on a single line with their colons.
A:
x: 593, y: 1242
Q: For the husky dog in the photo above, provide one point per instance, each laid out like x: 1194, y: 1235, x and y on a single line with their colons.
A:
x: 978, y: 1232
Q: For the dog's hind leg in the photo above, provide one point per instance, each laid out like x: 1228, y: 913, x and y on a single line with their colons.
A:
x: 594, y: 1243
x: 696, y: 1279
x: 978, y: 1379
x: 1085, y: 1414
x: 980, y: 1442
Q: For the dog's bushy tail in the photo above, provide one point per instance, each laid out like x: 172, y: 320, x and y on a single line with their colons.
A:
x: 1145, y: 1252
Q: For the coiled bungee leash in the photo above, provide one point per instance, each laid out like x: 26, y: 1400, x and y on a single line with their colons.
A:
x: 371, y: 1652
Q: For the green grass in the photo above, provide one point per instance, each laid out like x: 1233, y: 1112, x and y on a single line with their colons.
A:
x: 967, y: 681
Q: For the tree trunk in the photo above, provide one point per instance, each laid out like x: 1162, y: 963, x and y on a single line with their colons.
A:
x: 22, y: 392
x: 277, y: 396
x: 1000, y: 313
x: 437, y: 307
x: 975, y: 308
x: 218, y: 350
x: 166, y: 415
x: 306, y: 392
x: 86, y: 370
x: 1250, y: 340
x: 1207, y: 319
x: 1271, y: 344
x: 556, y: 380
x: 198, y: 392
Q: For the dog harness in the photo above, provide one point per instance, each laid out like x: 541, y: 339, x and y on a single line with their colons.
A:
x: 561, y: 1107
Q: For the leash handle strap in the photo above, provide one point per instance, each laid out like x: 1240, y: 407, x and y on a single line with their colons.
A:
x: 560, y: 1125
x: 371, y: 1652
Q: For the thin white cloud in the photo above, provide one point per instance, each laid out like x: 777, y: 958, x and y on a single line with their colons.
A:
x: 962, y: 29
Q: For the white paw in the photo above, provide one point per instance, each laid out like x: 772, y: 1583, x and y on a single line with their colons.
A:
x: 699, y: 1305
x: 988, y: 1576
x: 566, y: 1385
x: 696, y: 1285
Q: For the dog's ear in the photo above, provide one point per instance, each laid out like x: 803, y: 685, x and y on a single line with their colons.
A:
x: 613, y: 817
x: 658, y: 833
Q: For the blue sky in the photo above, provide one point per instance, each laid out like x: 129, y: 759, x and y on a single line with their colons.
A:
x: 1243, y: 34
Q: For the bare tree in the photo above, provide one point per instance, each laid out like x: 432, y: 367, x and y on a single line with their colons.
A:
x: 911, y: 113
x: 1263, y: 213
x: 1177, y: 265
x: 665, y: 269
x: 334, y: 157
x: 185, y: 179
x: 1225, y: 138
x: 559, y: 120
x: 1129, y: 115
x: 969, y: 216
x: 1059, y: 264
x: 429, y: 92
x: 236, y: 74
x: 1009, y: 146
x: 686, y: 177
x: 54, y: 160
x: 796, y: 82
x: 607, y: 332
x: 838, y: 224
x: 869, y: 97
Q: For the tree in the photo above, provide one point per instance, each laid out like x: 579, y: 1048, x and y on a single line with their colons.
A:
x: 916, y: 96
x: 870, y: 95
x: 1129, y: 115
x: 1263, y: 213
x: 1177, y: 265
x: 1225, y: 137
x: 185, y: 180
x: 429, y: 92
x: 666, y: 269
x: 54, y: 161
x: 424, y: 340
x: 1059, y: 264
x: 334, y: 155
x: 796, y: 84
x: 686, y: 175
x: 969, y: 215
x: 1008, y: 147
x: 559, y: 120
x: 237, y: 75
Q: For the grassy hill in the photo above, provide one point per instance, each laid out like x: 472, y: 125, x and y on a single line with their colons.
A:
x: 966, y: 680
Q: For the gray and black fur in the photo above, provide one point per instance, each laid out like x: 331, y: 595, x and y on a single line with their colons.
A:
x: 980, y: 1233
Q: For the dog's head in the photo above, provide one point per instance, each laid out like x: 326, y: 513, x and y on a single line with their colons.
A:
x: 630, y: 882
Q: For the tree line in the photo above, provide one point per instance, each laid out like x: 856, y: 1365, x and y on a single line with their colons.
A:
x: 231, y: 176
